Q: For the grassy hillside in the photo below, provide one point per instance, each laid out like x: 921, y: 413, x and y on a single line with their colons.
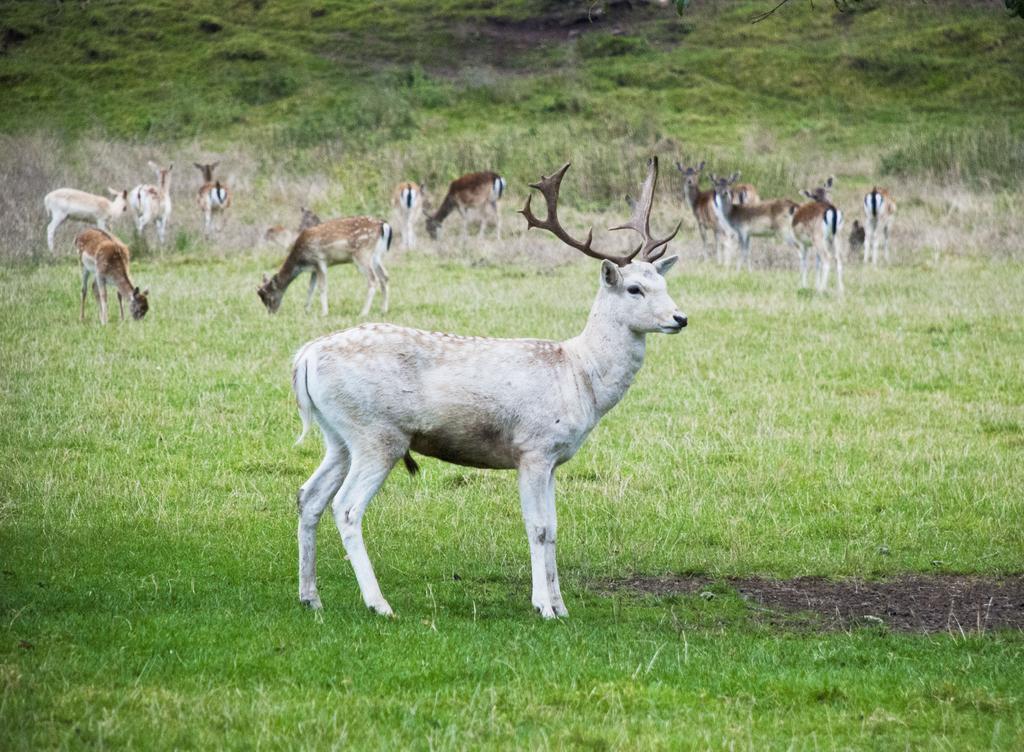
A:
x: 361, y: 76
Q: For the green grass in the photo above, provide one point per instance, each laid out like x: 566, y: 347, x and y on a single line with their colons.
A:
x: 147, y: 522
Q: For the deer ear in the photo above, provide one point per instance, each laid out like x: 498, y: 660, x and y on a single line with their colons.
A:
x: 700, y: 166
x: 112, y: 192
x: 145, y: 292
x: 610, y: 274
x: 805, y: 192
x: 266, y: 279
x: 830, y: 181
x: 735, y: 177
x: 663, y: 265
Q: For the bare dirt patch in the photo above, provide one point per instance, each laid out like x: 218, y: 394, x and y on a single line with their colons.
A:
x: 909, y: 603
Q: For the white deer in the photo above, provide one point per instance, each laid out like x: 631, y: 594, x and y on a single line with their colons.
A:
x: 68, y: 203
x: 378, y: 391
x: 153, y: 202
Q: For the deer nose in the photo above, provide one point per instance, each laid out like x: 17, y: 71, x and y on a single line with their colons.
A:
x: 680, y: 319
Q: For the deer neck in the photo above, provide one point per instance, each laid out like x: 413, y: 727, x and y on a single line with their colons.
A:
x: 609, y: 354
x: 691, y: 192
x: 447, y: 207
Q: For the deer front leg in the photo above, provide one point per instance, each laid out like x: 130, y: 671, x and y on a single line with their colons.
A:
x: 536, y: 480
x: 365, y: 477
x: 101, y: 293
x: 313, y: 278
x: 497, y: 222
x: 313, y: 497
x: 550, y: 559
x: 120, y: 303
x: 802, y: 251
x: 885, y: 240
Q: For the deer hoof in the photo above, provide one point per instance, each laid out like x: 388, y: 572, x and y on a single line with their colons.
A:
x: 383, y: 609
x: 312, y: 602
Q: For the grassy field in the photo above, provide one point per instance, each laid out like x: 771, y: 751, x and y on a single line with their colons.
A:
x: 148, y: 577
x: 148, y: 522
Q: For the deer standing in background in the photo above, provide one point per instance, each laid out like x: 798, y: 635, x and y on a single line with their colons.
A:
x: 744, y: 219
x: 68, y: 203
x: 282, y: 236
x: 816, y: 224
x: 879, y: 213
x: 213, y: 197
x: 479, y: 191
x: 153, y: 202
x: 102, y: 254
x: 702, y: 206
x: 379, y: 391
x: 407, y: 200
x: 359, y: 240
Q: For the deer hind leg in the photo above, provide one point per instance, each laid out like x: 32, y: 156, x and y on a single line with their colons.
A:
x: 497, y: 221
x: 382, y: 279
x: 802, y: 253
x: 837, y: 252
x: 370, y: 466
x: 536, y: 483
x: 51, y: 229
x: 313, y: 498
x: 371, y: 287
x: 85, y: 292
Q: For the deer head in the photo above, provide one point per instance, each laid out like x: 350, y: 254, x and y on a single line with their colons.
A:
x: 140, y: 303
x: 207, y: 170
x: 633, y: 291
x: 271, y: 293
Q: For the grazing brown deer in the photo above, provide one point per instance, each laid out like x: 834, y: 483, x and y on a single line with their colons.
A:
x: 775, y: 217
x: 213, y: 197
x: 359, y: 240
x: 478, y: 191
x: 879, y: 213
x: 102, y: 254
x: 379, y: 391
x: 816, y: 224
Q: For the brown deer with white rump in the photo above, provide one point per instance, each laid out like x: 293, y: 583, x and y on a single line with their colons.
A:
x: 479, y: 191
x: 359, y: 240
x: 213, y: 197
x: 68, y: 203
x: 379, y: 391
x: 102, y: 254
x: 879, y: 213
x: 775, y: 217
x: 816, y: 224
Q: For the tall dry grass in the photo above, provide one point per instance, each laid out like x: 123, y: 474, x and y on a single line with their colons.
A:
x: 938, y: 215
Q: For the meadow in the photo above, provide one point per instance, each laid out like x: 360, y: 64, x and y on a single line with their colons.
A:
x: 148, y: 583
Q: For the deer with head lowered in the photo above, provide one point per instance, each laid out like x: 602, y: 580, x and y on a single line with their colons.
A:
x: 816, y: 226
x: 379, y: 391
x: 105, y: 256
x: 479, y: 191
x: 359, y: 240
x: 744, y: 219
x: 213, y: 197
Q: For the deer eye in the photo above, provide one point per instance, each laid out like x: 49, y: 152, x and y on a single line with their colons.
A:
x: 635, y: 290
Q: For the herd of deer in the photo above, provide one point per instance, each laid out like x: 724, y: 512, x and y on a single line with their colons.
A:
x: 378, y: 392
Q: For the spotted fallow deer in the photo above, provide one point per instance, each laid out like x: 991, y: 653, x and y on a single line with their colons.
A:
x: 68, y: 203
x: 701, y: 203
x: 479, y: 191
x: 104, y: 255
x: 379, y: 391
x: 359, y: 240
x: 153, y: 202
x: 213, y: 197
x: 816, y: 224
x: 879, y: 213
x: 775, y: 217
x: 407, y: 200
